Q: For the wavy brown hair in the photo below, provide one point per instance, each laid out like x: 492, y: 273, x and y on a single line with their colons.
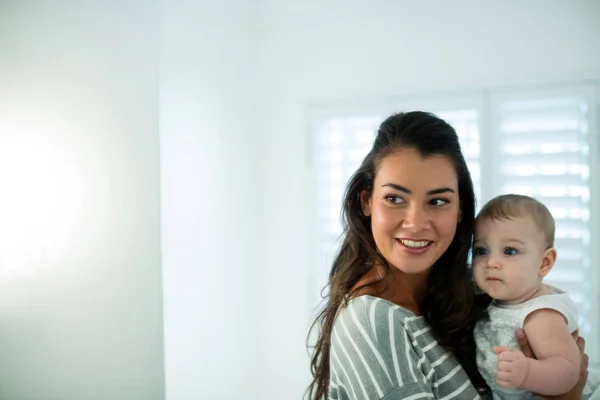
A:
x: 449, y: 305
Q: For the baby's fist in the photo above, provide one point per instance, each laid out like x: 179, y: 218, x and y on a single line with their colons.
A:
x: 512, y: 367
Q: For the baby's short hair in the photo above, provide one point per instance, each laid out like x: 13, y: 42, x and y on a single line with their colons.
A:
x: 508, y: 206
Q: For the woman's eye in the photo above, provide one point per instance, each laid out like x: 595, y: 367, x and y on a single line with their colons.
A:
x: 479, y: 251
x: 394, y: 199
x: 510, y: 251
x: 439, y: 202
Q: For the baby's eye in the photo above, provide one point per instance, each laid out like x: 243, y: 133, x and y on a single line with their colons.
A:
x: 479, y: 251
x: 394, y: 199
x: 510, y: 251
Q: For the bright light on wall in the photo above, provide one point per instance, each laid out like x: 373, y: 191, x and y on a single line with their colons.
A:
x: 41, y: 203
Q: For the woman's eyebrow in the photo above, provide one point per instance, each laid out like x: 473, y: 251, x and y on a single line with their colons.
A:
x: 441, y: 190
x: 408, y: 191
x: 397, y: 187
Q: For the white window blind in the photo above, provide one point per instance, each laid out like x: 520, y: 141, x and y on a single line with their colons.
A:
x: 536, y: 144
x: 543, y: 151
x: 466, y: 124
x: 340, y: 146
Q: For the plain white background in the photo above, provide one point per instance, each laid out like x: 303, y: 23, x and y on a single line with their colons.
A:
x: 186, y: 267
x: 79, y: 142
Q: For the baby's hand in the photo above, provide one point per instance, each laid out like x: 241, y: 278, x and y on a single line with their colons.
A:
x: 513, y: 367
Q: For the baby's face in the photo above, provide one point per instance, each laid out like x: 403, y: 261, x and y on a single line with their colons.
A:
x: 507, y: 258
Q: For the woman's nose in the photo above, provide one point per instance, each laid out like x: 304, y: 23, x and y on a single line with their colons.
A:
x: 416, y: 219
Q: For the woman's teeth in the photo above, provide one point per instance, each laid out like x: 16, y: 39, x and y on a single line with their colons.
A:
x: 412, y: 243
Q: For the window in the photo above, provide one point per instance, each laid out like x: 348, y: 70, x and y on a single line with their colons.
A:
x: 543, y: 151
x: 535, y: 143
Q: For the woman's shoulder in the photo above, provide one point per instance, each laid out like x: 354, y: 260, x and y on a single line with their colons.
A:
x: 375, y: 306
x: 368, y: 313
x: 370, y: 334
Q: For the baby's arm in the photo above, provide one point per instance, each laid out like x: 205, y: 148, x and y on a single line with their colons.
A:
x: 556, y: 370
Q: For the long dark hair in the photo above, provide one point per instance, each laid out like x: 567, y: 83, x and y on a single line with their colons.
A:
x: 449, y: 305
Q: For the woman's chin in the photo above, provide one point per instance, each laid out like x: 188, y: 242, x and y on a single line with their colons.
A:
x: 412, y: 267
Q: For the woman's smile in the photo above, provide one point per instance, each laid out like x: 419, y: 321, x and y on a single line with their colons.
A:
x: 414, y: 247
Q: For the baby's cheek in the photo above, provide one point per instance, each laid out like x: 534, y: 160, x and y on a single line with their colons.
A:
x: 477, y: 268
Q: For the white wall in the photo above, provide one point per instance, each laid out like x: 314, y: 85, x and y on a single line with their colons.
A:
x: 79, y: 137
x: 321, y: 51
x: 211, y: 215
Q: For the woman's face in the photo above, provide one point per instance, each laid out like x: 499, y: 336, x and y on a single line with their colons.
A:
x: 414, y: 209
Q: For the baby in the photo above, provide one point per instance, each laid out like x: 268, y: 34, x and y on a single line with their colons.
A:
x: 513, y: 252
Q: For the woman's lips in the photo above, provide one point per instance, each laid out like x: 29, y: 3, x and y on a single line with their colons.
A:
x: 414, y: 250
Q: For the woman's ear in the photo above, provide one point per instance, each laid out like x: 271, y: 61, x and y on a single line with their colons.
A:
x: 365, y: 202
x: 548, y: 260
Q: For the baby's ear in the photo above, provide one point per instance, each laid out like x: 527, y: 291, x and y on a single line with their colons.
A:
x: 548, y: 260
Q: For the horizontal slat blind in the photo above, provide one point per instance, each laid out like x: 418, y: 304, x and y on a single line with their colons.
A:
x: 543, y: 147
x: 340, y: 146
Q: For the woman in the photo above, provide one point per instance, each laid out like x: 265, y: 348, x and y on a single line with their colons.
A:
x: 401, y: 308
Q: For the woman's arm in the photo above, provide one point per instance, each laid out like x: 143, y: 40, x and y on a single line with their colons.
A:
x: 577, y: 391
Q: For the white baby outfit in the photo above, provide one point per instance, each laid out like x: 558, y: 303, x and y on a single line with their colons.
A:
x: 499, y: 330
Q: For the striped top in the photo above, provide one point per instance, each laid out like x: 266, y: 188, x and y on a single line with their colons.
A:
x: 382, y: 351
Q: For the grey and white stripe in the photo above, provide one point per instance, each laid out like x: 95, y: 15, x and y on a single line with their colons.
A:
x: 382, y: 351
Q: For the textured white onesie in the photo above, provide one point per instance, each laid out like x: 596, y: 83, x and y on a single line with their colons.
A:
x: 499, y: 330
